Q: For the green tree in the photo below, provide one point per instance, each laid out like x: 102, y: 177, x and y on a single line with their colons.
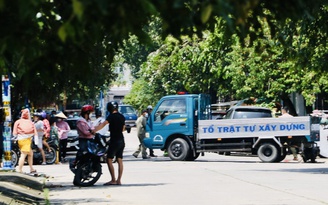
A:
x: 53, y: 38
x: 267, y: 68
x: 271, y: 67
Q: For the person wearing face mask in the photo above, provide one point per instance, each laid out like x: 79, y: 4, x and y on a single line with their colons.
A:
x: 85, y: 130
x: 63, y: 129
x: 141, y: 131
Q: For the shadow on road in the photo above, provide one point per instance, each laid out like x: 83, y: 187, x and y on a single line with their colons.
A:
x: 80, y: 201
x: 63, y: 186
x: 318, y: 170
x: 307, y: 170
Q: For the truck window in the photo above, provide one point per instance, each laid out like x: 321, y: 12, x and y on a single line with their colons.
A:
x: 168, y: 107
x: 228, y: 115
x: 249, y: 113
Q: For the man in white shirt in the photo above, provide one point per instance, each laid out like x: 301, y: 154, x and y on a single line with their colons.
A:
x: 99, y: 119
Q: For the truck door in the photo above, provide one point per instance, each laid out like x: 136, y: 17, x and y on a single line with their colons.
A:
x: 204, y: 107
x: 170, y: 117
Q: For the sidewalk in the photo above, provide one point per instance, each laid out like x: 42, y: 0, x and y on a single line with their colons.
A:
x: 17, y: 188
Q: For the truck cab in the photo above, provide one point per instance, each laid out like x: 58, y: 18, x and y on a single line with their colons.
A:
x: 174, y: 123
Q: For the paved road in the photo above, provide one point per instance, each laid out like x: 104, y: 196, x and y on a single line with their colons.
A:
x: 211, y: 179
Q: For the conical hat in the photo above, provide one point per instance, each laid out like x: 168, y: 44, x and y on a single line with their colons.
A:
x: 61, y: 115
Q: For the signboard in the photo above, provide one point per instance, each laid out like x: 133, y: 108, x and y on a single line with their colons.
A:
x: 257, y: 127
x: 7, y: 164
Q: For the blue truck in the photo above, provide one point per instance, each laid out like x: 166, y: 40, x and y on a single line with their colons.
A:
x: 182, y: 125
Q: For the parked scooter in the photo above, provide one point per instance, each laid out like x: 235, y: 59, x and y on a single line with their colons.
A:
x: 87, y: 169
x: 37, y: 157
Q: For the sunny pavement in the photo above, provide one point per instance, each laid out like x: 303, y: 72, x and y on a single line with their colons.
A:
x: 211, y: 179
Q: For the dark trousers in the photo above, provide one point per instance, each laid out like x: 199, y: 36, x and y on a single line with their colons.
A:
x: 83, y: 146
x: 151, y: 152
x: 62, y: 148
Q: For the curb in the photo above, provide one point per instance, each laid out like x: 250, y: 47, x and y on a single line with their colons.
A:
x: 17, y: 188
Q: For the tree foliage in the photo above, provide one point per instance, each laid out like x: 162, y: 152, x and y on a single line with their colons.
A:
x: 50, y: 45
x: 289, y: 60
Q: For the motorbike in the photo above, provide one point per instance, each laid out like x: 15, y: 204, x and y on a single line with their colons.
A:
x: 37, y: 157
x: 87, y: 170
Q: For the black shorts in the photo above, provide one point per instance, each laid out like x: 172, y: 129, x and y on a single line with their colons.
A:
x: 115, y: 149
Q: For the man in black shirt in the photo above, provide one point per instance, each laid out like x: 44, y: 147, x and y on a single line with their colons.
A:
x: 116, y: 145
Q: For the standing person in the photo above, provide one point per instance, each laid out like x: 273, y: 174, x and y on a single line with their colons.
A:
x: 284, y: 113
x: 141, y: 132
x: 99, y: 119
x: 149, y: 110
x: 116, y: 145
x: 292, y: 145
x: 46, y: 130
x: 53, y: 129
x: 63, y: 129
x: 40, y: 129
x: 85, y: 130
x: 54, y: 136
x: 24, y: 130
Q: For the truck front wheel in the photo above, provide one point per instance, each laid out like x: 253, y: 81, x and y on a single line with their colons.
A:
x: 178, y: 149
x: 267, y: 152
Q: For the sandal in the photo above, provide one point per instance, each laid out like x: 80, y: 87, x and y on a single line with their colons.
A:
x: 110, y: 184
x: 33, y: 171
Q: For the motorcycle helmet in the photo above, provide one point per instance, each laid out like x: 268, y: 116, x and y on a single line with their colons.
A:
x: 87, y: 109
x: 37, y: 114
x: 98, y: 113
x: 111, y: 106
x: 44, y: 115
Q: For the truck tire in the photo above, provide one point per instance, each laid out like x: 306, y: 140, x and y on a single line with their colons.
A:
x: 268, y: 152
x: 178, y: 149
x: 191, y: 156
x: 281, y: 155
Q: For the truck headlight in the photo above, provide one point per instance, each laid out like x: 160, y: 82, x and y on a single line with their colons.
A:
x: 147, y: 135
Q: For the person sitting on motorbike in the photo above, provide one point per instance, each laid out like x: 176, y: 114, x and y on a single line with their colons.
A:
x: 85, y: 130
x: 46, y: 129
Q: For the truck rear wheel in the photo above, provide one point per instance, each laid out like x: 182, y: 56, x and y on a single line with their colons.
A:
x: 178, y: 149
x: 268, y: 152
x: 281, y: 155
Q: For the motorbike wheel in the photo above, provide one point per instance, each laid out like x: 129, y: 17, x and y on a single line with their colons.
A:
x: 50, y: 156
x: 14, y: 158
x: 87, y: 174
